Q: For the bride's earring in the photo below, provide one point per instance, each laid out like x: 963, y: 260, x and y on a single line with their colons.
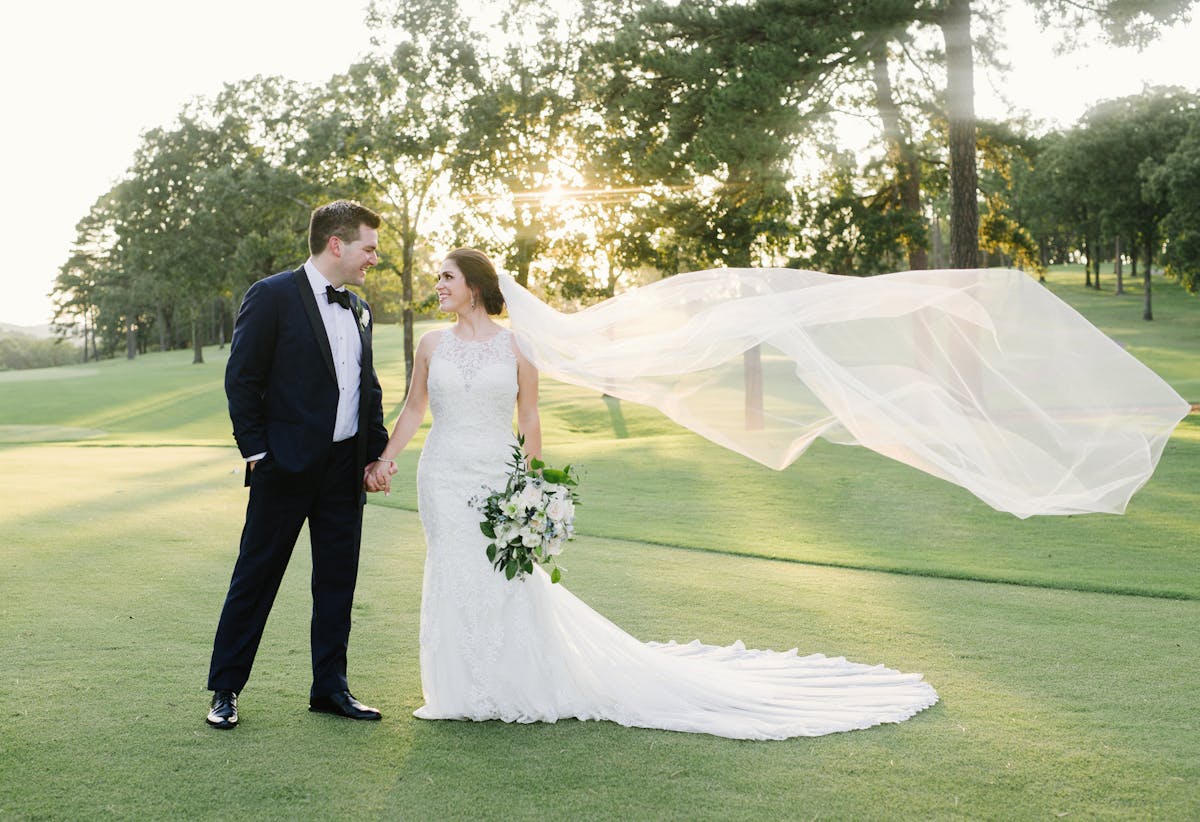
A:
x: 472, y: 301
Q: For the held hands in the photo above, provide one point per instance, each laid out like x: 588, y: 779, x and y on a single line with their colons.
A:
x: 377, y: 476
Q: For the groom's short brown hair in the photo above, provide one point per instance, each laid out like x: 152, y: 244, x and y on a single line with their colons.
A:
x: 341, y: 218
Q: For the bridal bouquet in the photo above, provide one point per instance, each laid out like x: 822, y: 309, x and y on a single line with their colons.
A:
x: 530, y: 518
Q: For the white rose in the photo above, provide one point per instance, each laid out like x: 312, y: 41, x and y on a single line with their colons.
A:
x: 554, y: 546
x: 561, y: 510
x: 531, y: 496
x: 556, y: 510
x: 530, y: 539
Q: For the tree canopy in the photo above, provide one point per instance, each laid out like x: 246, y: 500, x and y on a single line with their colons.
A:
x: 593, y: 146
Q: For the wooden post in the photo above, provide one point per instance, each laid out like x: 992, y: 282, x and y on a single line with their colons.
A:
x: 752, y: 366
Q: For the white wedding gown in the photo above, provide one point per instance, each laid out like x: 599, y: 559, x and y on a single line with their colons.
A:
x: 530, y: 651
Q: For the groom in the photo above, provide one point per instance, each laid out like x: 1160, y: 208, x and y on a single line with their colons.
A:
x: 307, y: 415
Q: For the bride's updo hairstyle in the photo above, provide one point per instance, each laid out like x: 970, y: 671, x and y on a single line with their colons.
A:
x: 481, y: 277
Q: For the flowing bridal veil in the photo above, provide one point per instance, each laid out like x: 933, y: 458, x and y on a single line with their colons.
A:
x: 979, y: 376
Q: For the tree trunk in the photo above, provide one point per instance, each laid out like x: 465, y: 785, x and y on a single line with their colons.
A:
x: 1096, y: 273
x: 1147, y: 313
x: 526, y: 237
x: 960, y: 96
x: 197, y: 347
x: 752, y: 370
x: 524, y: 255
x: 131, y: 348
x: 162, y: 330
x: 614, y: 274
x: 1087, y: 262
x: 900, y: 154
x: 1117, y: 267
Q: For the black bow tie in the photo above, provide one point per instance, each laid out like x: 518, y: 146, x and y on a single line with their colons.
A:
x: 342, y: 298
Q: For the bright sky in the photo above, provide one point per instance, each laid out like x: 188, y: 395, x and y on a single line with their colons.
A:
x: 84, y: 78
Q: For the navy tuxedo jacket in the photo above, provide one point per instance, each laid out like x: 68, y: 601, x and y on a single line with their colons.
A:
x: 281, y: 384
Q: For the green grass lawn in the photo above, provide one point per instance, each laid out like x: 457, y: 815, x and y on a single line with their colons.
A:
x: 1064, y: 649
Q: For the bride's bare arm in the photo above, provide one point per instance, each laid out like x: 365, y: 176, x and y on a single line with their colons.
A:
x: 413, y: 412
x: 529, y: 422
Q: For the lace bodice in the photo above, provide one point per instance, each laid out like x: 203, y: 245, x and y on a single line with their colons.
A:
x: 472, y: 394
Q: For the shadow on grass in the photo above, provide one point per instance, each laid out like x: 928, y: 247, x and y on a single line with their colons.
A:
x: 620, y: 431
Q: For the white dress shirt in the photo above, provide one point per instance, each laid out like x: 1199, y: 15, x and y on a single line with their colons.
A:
x: 341, y: 326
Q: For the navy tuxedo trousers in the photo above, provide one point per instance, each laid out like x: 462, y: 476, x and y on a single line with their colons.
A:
x: 331, y: 501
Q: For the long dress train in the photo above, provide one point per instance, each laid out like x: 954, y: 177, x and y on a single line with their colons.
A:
x: 531, y: 651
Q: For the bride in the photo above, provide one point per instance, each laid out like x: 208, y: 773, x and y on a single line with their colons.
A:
x: 528, y: 650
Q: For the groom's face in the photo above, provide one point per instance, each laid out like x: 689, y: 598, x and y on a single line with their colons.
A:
x: 359, y: 255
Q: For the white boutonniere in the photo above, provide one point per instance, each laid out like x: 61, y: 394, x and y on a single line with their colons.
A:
x: 364, y: 319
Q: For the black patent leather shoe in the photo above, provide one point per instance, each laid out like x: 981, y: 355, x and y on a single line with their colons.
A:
x: 342, y: 703
x: 223, y: 713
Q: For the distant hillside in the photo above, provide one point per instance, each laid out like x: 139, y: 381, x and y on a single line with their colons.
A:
x: 37, y: 331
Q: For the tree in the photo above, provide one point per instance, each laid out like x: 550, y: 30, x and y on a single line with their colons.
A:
x: 1128, y: 139
x: 1120, y: 22
x: 519, y: 130
x: 1176, y: 182
x: 206, y: 208
x: 1045, y: 202
x: 705, y: 103
x: 1070, y: 195
x: 275, y: 190
x: 1007, y: 159
x: 850, y: 231
x: 386, y: 128
x: 95, y: 295
x: 75, y: 311
x: 902, y: 156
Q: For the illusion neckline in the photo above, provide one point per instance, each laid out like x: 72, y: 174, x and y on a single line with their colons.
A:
x: 482, y: 341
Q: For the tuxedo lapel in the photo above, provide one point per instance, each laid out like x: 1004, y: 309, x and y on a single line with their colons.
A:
x: 363, y: 321
x: 314, y: 318
x: 365, y: 374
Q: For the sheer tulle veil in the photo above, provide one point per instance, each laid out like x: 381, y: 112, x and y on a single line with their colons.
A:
x: 981, y: 376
